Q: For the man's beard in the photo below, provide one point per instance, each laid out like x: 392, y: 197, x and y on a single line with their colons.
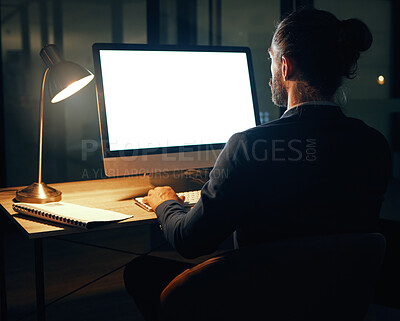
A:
x: 278, y: 90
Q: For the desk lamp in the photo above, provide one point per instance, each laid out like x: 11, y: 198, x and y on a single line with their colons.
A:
x: 64, y: 79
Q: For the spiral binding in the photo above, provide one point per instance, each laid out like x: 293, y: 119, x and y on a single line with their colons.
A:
x: 47, y: 216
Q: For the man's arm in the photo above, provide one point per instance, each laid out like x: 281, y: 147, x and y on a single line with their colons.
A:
x: 215, y: 216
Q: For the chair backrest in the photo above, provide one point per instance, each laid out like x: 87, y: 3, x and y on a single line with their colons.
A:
x: 317, y: 278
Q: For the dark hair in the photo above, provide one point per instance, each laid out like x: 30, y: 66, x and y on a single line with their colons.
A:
x: 324, y: 48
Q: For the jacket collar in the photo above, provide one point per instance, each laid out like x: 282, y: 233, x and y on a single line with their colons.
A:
x: 313, y: 106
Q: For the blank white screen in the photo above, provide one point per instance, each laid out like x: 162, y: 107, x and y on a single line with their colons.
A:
x: 175, y: 98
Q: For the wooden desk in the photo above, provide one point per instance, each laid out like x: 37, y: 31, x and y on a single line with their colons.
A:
x: 112, y: 194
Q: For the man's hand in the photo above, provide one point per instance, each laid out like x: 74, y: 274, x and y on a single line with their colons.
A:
x: 160, y: 194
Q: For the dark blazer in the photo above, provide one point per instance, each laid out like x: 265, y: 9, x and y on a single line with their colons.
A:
x: 313, y: 171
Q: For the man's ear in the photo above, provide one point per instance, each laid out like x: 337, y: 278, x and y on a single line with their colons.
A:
x: 287, y: 68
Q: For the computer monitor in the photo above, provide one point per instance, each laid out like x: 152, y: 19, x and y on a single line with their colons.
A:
x: 167, y: 108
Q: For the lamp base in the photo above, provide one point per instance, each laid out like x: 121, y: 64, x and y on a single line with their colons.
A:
x: 38, y: 193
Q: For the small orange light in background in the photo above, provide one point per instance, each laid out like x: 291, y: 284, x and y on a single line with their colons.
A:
x: 381, y: 80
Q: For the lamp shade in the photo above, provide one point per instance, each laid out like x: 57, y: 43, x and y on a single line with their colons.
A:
x: 65, y: 78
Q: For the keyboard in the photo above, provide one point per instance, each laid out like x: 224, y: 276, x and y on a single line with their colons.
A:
x: 191, y: 198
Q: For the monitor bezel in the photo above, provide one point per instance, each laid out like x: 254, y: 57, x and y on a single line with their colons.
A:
x: 107, y: 153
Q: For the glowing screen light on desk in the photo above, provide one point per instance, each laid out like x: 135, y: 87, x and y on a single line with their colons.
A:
x: 64, y: 79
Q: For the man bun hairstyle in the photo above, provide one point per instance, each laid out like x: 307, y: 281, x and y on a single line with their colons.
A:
x: 355, y: 38
x: 323, y: 48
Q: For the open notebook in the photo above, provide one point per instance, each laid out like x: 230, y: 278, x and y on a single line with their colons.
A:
x: 70, y: 214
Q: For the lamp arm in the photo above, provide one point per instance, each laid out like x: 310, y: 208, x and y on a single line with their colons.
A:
x: 41, y: 125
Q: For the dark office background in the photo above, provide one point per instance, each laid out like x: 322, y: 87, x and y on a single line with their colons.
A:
x: 71, y: 131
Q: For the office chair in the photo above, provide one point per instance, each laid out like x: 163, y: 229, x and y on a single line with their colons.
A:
x: 323, y: 278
